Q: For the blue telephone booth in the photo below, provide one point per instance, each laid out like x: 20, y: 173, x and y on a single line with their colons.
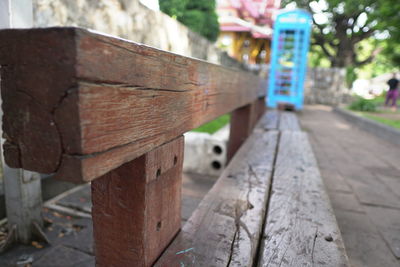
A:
x: 290, y: 45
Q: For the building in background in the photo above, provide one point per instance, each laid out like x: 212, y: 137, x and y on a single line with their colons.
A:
x: 246, y: 28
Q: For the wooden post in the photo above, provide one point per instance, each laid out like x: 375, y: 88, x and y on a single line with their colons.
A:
x: 22, y: 188
x: 137, y: 207
x: 242, y: 122
x: 260, y: 107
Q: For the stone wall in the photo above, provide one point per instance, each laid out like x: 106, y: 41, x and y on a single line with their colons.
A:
x: 326, y: 86
x: 131, y: 20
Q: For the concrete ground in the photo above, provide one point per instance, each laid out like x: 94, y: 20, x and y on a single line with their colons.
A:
x: 362, y: 176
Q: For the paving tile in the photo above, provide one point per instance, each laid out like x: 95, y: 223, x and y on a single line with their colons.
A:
x: 79, y: 200
x: 62, y: 256
x: 364, y: 245
x: 189, y: 204
x: 345, y: 202
x: 334, y: 181
x: 362, y: 175
x: 388, y: 223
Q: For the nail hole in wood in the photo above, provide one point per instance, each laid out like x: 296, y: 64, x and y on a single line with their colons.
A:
x: 158, y: 173
x: 175, y: 160
x: 158, y: 226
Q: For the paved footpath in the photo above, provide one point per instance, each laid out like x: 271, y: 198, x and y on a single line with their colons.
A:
x: 362, y: 175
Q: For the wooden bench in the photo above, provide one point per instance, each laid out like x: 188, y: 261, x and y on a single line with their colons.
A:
x: 89, y: 107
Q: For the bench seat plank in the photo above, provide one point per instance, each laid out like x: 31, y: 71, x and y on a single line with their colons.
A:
x: 288, y: 121
x: 301, y: 229
x: 271, y: 120
x: 226, y: 227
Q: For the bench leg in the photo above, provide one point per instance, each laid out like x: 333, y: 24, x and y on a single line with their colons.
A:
x: 137, y: 207
x: 260, y: 107
x: 243, y: 121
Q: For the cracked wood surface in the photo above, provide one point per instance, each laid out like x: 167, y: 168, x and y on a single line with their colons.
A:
x: 80, y: 104
x: 226, y: 227
x: 301, y: 229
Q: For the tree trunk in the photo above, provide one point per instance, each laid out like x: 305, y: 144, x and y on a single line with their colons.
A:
x: 345, y: 55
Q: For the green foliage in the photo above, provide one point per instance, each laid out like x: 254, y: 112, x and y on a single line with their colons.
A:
x: 379, y: 100
x: 382, y: 63
x: 316, y: 58
x: 351, y: 76
x: 174, y: 8
x: 392, y: 51
x: 348, y: 23
x: 361, y: 104
x: 203, y: 5
x: 198, y: 15
x: 213, y: 126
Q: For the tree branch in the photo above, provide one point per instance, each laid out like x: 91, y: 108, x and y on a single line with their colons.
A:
x: 357, y: 37
x: 319, y: 40
x: 321, y: 30
x: 369, y: 59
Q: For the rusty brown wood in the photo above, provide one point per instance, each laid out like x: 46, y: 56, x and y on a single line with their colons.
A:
x: 242, y: 122
x: 136, y: 207
x: 260, y: 107
x: 81, y: 104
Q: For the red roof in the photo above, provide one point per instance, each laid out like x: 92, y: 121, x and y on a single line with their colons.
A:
x: 259, y: 13
x: 259, y: 10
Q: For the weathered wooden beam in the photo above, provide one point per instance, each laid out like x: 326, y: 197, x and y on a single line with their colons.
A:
x: 81, y: 104
x: 22, y: 189
x: 260, y: 107
x: 137, y: 207
x: 225, y: 229
x: 271, y: 120
x: 242, y: 122
x: 239, y: 129
x: 300, y: 228
x: 288, y: 121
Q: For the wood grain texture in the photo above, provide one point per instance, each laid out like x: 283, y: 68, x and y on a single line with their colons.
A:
x: 242, y: 123
x: 226, y: 227
x: 301, y: 229
x: 260, y: 107
x: 288, y: 121
x: 36, y: 72
x: 137, y: 207
x: 271, y: 120
x: 240, y: 128
x: 81, y: 104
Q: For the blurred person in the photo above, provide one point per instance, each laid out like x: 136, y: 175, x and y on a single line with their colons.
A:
x: 393, y: 92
